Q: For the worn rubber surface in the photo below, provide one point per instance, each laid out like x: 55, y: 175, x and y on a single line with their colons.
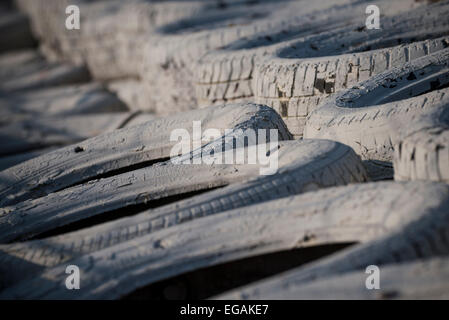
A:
x: 331, y: 215
x: 138, y: 187
x: 35, y: 133
x: 28, y: 70
x: 131, y: 92
x: 13, y: 61
x: 96, y: 34
x: 110, y: 50
x: 163, y: 181
x: 123, y: 148
x: 422, y: 150
x: 295, y: 79
x: 113, y: 50
x: 426, y: 279
x: 138, y: 225
x: 303, y: 166
x: 13, y: 160
x: 140, y: 118
x: 369, y: 116
x: 409, y: 238
x: 64, y: 100
x: 48, y: 25
x: 173, y: 57
x: 219, y: 78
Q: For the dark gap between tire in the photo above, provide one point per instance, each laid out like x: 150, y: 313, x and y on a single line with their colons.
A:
x: 116, y: 214
x: 116, y: 172
x: 30, y: 148
x: 208, y: 282
x: 435, y: 86
x: 379, y: 170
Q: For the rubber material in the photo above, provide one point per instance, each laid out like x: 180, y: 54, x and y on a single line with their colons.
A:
x: 369, y: 116
x: 329, y: 215
x: 122, y: 148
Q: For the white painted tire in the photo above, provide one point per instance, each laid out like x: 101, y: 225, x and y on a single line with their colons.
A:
x: 420, y: 280
x: 174, y: 57
x: 111, y: 49
x: 422, y: 152
x: 89, y: 98
x: 369, y: 116
x: 299, y: 75
x: 410, y: 238
x: 303, y: 166
x: 147, y: 142
x: 330, y: 215
x: 30, y: 71
x: 34, y: 133
x: 226, y: 75
x: 13, y: 160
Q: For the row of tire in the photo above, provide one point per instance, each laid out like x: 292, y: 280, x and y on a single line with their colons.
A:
x: 326, y: 48
x: 129, y: 218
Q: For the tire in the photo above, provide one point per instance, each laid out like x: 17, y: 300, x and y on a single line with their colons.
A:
x: 122, y: 191
x: 97, y: 44
x: 173, y: 57
x: 11, y: 161
x: 108, y: 195
x: 368, y: 116
x: 305, y: 220
x: 416, y: 239
x: 36, y: 133
x: 306, y: 165
x: 422, y: 154
x: 130, y: 91
x: 300, y: 74
x: 39, y: 74
x: 140, y: 118
x: 19, y: 61
x: 148, y: 142
x: 42, y: 15
x: 417, y: 280
x: 68, y: 100
x: 111, y: 50
x: 226, y: 75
